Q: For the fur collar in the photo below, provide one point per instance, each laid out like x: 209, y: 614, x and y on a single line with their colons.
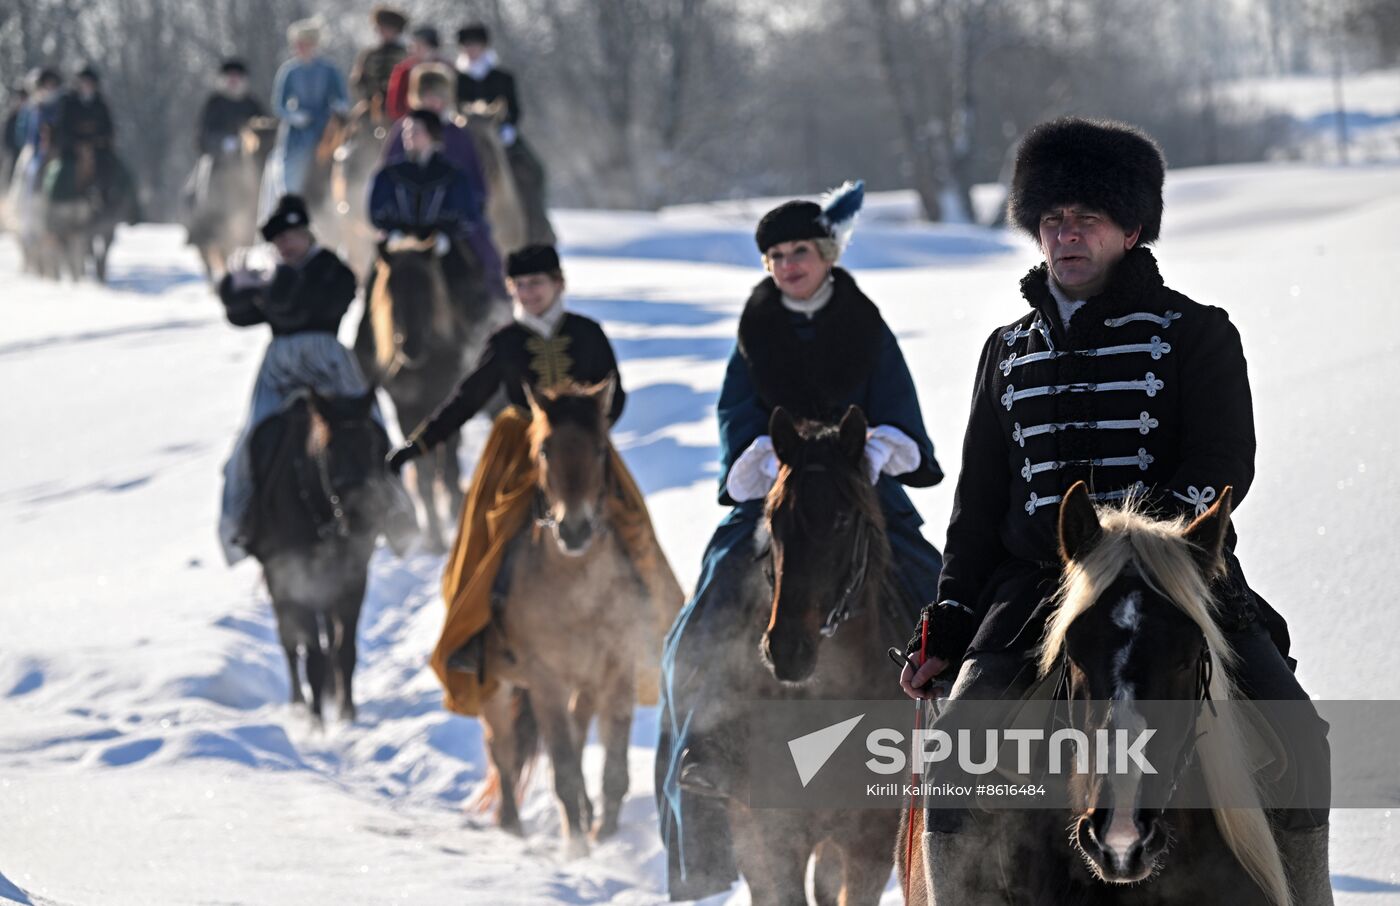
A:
x: 1133, y: 286
x: 814, y: 377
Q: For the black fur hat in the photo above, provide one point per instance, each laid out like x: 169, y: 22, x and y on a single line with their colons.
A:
x: 473, y: 33
x: 290, y: 213
x: 532, y: 259
x: 789, y: 222
x: 1106, y: 165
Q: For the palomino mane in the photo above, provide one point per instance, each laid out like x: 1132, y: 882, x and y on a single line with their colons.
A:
x: 1163, y: 557
x: 570, y: 403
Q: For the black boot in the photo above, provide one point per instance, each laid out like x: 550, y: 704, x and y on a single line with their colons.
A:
x: 470, y: 657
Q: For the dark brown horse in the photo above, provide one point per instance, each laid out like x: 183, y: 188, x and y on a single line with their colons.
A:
x: 426, y: 336
x: 320, y: 504
x: 817, y: 612
x: 1133, y: 624
x: 567, y: 641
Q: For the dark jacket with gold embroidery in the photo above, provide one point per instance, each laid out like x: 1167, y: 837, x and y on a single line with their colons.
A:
x: 515, y: 356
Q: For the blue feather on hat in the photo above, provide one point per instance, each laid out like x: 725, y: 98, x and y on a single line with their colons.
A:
x: 840, y: 207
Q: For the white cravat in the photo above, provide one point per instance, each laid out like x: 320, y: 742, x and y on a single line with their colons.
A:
x: 1066, y: 305
x: 810, y: 306
x: 481, y: 68
x: 544, y: 324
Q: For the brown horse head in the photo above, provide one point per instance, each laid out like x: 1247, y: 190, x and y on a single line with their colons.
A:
x: 829, y: 549
x: 570, y: 448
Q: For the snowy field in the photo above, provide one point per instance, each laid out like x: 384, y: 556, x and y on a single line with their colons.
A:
x: 146, y: 755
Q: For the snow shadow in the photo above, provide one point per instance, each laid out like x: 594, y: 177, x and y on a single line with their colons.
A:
x: 1354, y: 884
x: 634, y: 307
x: 10, y: 893
x: 873, y: 247
x: 658, y: 406
x: 666, y: 463
x: 704, y: 349
x: 93, y: 336
x: 151, y: 281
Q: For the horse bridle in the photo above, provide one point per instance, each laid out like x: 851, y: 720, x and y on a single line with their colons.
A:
x: 1205, y: 671
x: 842, y: 610
x: 544, y: 517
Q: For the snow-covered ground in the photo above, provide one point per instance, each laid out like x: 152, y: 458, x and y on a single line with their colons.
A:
x: 145, y: 753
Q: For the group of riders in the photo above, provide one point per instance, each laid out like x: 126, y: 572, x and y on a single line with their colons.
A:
x: 61, y: 165
x: 1109, y: 377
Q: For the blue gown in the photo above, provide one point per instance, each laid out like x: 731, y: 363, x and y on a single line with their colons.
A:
x: 307, y: 92
x: 695, y: 829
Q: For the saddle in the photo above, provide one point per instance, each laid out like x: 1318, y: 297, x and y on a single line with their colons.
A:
x: 299, y: 495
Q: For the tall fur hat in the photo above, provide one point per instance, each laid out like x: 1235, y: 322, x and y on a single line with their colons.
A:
x: 388, y: 17
x: 1103, y: 164
x: 289, y: 214
x: 432, y: 78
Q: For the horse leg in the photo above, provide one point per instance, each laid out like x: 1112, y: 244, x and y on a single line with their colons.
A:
x: 867, y: 858
x: 315, y: 660
x: 502, y: 742
x: 289, y: 632
x: 581, y: 711
x: 425, y: 475
x: 551, y: 705
x: 772, y: 849
x: 344, y: 625
x: 452, y: 475
x: 615, y: 729
x: 829, y: 862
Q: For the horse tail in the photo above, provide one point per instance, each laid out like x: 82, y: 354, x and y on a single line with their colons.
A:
x: 527, y: 740
x: 526, y: 729
x: 1225, y: 769
x: 909, y: 856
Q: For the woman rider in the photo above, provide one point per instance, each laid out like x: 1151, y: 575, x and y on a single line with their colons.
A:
x: 302, y: 298
x: 811, y: 342
x: 545, y: 347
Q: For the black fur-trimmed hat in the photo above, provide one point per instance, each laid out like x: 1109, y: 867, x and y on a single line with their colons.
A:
x: 388, y: 17
x: 1104, y: 164
x: 789, y: 222
x: 235, y: 65
x: 290, y: 214
x: 474, y: 33
x: 533, y: 259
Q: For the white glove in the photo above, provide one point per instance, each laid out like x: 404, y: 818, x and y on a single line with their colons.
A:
x: 508, y: 134
x: 245, y: 279
x: 754, y: 472
x: 298, y: 119
x: 441, y: 245
x: 230, y: 144
x: 890, y: 451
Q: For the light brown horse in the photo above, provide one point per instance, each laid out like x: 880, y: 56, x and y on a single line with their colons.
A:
x: 357, y: 146
x: 570, y: 632
x: 224, y: 210
x: 504, y: 210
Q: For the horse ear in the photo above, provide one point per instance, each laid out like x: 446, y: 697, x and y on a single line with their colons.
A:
x: 1079, y: 524
x: 852, y: 431
x: 783, y: 430
x: 536, y: 410
x: 603, y: 393
x: 1208, y: 533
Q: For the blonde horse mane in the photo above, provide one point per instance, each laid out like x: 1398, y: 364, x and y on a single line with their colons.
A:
x: 1163, y: 557
x: 381, y: 307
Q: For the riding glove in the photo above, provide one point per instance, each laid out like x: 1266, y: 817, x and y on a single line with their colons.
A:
x: 395, y: 460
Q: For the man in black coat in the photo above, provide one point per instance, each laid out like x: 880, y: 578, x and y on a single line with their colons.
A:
x: 481, y: 79
x: 226, y: 111
x: 1114, y: 379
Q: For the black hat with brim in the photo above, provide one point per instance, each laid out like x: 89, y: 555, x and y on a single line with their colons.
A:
x: 533, y: 259
x: 290, y: 214
x: 789, y: 222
